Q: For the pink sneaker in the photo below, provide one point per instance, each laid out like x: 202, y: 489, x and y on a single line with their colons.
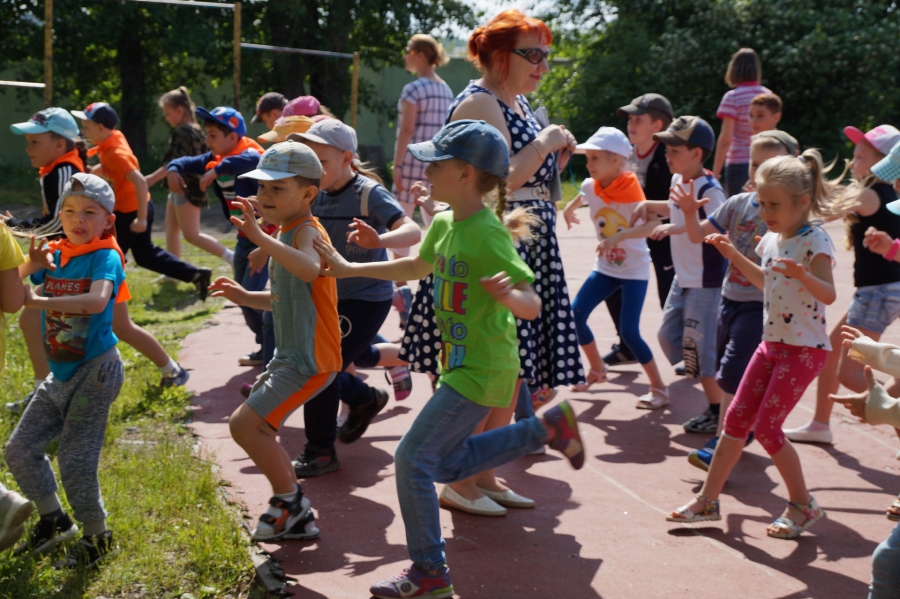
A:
x: 401, y: 381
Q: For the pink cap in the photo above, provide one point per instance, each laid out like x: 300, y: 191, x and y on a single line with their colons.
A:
x: 302, y: 106
x: 882, y: 137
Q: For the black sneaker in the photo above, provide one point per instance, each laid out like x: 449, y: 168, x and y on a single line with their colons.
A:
x: 361, y: 416
x: 704, y: 424
x: 619, y: 355
x: 48, y: 533
x: 89, y: 551
x: 201, y: 281
x: 680, y: 370
x: 312, y: 463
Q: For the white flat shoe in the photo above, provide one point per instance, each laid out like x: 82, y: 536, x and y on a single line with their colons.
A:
x: 806, y: 436
x: 509, y: 498
x: 542, y: 450
x: 483, y: 506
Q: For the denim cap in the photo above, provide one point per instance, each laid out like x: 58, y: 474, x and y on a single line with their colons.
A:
x: 284, y: 160
x: 50, y: 120
x: 608, y: 139
x: 329, y: 132
x: 888, y: 168
x: 225, y: 115
x: 95, y: 188
x: 99, y: 112
x: 473, y: 142
x: 688, y: 130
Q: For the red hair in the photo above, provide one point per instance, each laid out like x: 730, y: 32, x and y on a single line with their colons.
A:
x: 492, y: 43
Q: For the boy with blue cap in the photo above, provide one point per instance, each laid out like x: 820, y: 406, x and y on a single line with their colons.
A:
x: 231, y: 154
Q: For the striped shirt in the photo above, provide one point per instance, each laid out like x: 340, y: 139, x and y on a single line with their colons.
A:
x: 736, y: 105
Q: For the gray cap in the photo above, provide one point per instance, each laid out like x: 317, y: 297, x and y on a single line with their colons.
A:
x: 642, y: 104
x: 286, y: 159
x: 787, y: 140
x: 94, y: 188
x: 330, y: 132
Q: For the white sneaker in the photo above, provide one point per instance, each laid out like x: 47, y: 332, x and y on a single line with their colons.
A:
x: 14, y: 511
x: 804, y: 435
x: 542, y: 450
x: 483, y: 506
x: 344, y: 415
x: 509, y: 498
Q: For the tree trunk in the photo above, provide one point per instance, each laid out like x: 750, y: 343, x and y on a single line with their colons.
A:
x: 130, y: 62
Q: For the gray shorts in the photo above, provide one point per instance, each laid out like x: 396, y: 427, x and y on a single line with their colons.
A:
x: 282, y: 389
x: 874, y: 307
x: 688, y: 329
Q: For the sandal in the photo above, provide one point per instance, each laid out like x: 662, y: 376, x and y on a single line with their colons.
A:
x: 653, y: 399
x: 893, y: 512
x: 593, y: 377
x: 685, y: 515
x: 792, y: 530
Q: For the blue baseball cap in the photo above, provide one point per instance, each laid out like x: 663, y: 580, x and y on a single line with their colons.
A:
x: 688, y: 130
x: 225, y: 115
x: 99, y: 112
x: 473, y: 142
x: 49, y: 120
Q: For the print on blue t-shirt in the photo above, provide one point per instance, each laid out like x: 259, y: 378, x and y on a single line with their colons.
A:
x: 70, y: 339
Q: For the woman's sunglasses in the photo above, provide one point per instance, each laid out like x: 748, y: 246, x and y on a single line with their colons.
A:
x: 532, y: 55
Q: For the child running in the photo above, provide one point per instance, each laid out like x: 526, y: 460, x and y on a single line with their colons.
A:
x: 623, y: 260
x: 307, y: 334
x: 481, y: 284
x: 80, y: 278
x: 796, y: 278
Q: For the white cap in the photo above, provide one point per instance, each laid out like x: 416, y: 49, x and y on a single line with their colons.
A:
x: 609, y: 139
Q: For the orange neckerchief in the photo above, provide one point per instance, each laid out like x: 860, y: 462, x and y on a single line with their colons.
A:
x: 624, y: 189
x: 243, y: 144
x: 71, y: 157
x: 116, y: 139
x: 68, y: 250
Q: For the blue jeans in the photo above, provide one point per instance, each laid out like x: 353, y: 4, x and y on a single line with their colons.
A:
x: 688, y: 328
x: 250, y: 282
x: 886, y: 568
x: 596, y: 289
x: 524, y: 403
x: 439, y: 447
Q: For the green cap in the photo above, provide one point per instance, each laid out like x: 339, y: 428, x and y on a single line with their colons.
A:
x: 284, y: 160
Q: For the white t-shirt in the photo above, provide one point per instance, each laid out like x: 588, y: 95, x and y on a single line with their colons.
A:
x: 792, y: 315
x: 697, y: 264
x: 628, y: 260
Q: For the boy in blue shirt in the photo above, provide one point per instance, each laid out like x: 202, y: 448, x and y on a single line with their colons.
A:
x: 80, y: 278
x: 231, y: 155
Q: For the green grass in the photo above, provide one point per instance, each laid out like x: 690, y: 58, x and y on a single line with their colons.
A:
x: 176, y: 532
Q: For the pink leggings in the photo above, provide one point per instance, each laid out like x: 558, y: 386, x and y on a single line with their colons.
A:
x: 773, y: 383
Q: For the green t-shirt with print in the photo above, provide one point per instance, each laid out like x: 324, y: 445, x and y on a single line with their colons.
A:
x: 480, y: 350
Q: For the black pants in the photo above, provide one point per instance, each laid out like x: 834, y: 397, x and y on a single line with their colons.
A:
x: 661, y: 254
x: 145, y: 253
x: 360, y: 322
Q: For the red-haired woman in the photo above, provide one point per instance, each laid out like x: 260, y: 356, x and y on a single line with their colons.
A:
x: 511, y: 51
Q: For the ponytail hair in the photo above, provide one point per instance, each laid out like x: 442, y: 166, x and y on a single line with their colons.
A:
x: 366, y: 170
x: 520, y: 222
x: 430, y: 48
x: 179, y: 98
x: 805, y: 175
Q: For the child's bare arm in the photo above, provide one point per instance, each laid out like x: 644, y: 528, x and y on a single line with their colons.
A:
x: 233, y: 292
x: 569, y: 211
x: 650, y: 209
x: 403, y: 269
x: 750, y: 269
x: 12, y: 292
x: 39, y: 257
x: 92, y: 302
x: 521, y: 298
x: 303, y: 261
x: 817, y: 277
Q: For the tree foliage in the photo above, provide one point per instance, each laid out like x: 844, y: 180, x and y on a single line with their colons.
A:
x: 833, y: 62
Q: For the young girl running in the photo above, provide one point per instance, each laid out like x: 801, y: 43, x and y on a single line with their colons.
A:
x: 623, y: 260
x: 481, y: 285
x: 183, y: 209
x: 796, y: 277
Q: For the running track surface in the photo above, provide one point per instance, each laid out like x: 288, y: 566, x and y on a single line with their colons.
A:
x: 598, y: 532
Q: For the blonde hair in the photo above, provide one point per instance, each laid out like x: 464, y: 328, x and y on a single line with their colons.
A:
x: 805, y: 175
x: 744, y: 66
x: 520, y: 222
x: 179, y: 98
x: 430, y: 48
x: 366, y: 170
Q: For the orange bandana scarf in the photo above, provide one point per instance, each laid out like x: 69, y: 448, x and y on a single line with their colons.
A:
x: 68, y: 250
x: 243, y: 144
x: 116, y: 139
x: 624, y: 189
x: 71, y: 157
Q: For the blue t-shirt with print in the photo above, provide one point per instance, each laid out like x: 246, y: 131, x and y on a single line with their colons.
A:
x: 336, y: 211
x: 70, y: 339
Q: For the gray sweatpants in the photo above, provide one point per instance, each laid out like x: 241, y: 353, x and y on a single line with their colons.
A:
x: 75, y: 412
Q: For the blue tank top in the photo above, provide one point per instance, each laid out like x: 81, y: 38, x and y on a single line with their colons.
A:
x: 522, y: 131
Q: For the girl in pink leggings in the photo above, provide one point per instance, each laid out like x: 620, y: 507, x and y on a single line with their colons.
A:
x: 796, y: 277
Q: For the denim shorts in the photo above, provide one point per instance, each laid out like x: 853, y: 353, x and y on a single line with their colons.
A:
x: 874, y: 307
x: 688, y: 329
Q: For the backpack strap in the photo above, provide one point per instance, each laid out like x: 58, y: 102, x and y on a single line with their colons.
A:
x: 367, y: 186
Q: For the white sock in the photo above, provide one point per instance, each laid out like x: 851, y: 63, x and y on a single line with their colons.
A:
x: 37, y: 383
x: 275, y: 512
x: 228, y: 256
x: 170, y: 368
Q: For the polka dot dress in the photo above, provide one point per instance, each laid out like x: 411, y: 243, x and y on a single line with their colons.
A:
x: 548, y: 346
